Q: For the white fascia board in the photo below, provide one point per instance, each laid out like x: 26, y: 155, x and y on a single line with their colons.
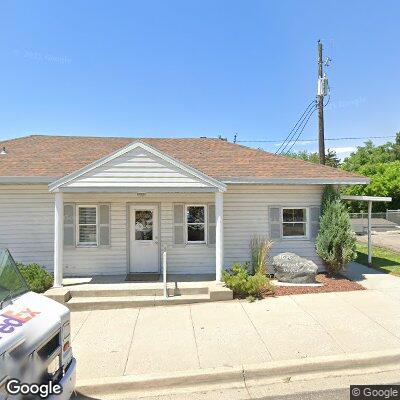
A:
x: 294, y: 181
x: 366, y: 198
x: 136, y: 190
x: 205, y: 178
x: 26, y: 179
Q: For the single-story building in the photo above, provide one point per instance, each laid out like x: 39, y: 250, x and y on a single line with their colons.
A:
x: 83, y: 206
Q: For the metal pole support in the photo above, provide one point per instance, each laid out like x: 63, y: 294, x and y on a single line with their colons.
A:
x: 369, y: 234
x: 164, y: 264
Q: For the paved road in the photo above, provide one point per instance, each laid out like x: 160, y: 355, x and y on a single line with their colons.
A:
x: 387, y: 240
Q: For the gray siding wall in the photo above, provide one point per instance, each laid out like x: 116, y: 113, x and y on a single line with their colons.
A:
x: 27, y: 223
x: 246, y: 214
x: 27, y: 215
x: 137, y: 168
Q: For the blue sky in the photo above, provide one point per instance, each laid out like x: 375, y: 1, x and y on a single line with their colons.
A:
x: 197, y: 68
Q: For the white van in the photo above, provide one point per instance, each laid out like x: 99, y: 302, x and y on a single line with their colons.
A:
x: 35, y: 340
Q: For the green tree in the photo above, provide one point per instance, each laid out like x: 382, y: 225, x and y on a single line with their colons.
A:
x: 382, y: 165
x: 336, y: 242
x: 331, y: 157
x: 371, y: 154
x: 328, y: 195
x: 384, y: 181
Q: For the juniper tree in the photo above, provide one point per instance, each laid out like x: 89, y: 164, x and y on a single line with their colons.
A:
x: 336, y: 243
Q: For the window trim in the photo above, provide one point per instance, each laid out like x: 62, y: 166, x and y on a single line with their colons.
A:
x: 186, y: 224
x: 87, y: 244
x: 306, y: 223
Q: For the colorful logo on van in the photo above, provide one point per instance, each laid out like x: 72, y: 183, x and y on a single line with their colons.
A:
x: 13, y: 319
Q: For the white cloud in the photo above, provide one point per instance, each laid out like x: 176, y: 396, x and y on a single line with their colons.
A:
x: 343, y: 150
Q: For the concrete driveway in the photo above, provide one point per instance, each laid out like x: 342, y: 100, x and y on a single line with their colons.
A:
x: 113, y: 343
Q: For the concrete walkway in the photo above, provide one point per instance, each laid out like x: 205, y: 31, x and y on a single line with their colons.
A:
x: 112, y: 343
x: 374, y: 279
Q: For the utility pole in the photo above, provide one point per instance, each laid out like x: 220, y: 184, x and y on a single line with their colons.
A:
x: 320, y: 105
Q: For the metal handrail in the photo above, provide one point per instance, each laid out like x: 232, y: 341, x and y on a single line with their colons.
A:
x: 164, y: 266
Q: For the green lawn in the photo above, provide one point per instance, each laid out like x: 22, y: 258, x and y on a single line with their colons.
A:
x: 386, y: 260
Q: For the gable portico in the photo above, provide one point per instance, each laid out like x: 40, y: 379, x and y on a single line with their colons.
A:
x: 150, y: 186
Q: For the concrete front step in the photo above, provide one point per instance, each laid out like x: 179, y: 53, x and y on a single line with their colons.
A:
x: 99, y: 297
x: 107, y: 303
x: 117, y: 292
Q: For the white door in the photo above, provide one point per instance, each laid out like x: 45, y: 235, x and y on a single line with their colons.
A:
x: 144, y: 249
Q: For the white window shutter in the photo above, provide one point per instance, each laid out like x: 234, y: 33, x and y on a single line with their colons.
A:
x: 104, y: 225
x: 315, y: 212
x: 69, y: 224
x: 211, y: 224
x: 179, y: 224
x: 275, y: 223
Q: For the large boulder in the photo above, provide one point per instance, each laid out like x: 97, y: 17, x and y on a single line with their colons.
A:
x: 290, y: 267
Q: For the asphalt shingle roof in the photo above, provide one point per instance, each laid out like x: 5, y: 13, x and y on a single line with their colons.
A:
x: 57, y: 156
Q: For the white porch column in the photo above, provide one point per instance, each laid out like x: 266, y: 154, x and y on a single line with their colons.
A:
x: 58, y: 239
x: 219, y: 235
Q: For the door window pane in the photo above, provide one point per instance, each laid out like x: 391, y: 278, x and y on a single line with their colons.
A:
x: 144, y: 225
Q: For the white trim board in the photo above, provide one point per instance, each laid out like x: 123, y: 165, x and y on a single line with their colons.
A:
x: 211, y: 182
x: 296, y: 181
x: 26, y: 179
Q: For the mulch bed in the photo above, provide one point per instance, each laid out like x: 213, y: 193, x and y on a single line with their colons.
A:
x: 330, y: 284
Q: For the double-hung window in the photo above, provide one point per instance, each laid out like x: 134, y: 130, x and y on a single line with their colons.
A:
x: 294, y: 222
x: 196, y: 223
x: 87, y: 226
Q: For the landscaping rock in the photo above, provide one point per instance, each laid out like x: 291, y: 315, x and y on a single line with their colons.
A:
x: 290, y: 267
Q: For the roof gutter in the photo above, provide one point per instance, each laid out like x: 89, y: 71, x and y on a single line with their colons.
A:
x: 27, y: 179
x: 294, y: 181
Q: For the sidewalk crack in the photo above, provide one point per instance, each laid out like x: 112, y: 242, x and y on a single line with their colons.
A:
x: 369, y: 317
x: 131, y: 342
x: 81, y: 326
x: 194, y: 335
x: 257, y: 331
x: 245, y: 383
x: 320, y: 324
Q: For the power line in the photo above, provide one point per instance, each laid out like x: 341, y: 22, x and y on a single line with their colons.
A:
x: 316, y: 140
x: 299, y: 121
x: 304, y: 125
x: 302, y: 129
